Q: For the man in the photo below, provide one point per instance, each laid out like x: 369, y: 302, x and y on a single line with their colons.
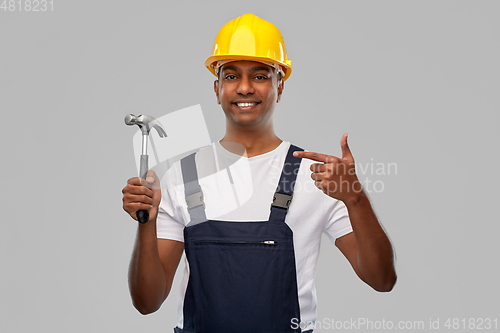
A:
x: 250, y: 263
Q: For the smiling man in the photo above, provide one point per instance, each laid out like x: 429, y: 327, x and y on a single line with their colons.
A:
x: 250, y: 263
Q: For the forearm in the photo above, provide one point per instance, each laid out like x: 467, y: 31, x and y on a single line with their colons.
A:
x: 147, y: 281
x: 375, y: 258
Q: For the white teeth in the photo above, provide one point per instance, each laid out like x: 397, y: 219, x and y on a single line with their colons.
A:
x: 246, y: 104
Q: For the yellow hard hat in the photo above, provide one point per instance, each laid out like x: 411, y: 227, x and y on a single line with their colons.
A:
x: 249, y: 37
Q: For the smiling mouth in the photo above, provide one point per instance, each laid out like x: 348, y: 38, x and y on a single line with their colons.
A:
x: 246, y: 105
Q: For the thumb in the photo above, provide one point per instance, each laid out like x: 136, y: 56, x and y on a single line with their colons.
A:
x: 154, y: 184
x: 152, y: 180
x: 346, y: 152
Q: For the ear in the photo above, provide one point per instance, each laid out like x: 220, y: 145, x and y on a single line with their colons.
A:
x: 281, y: 86
x: 216, y: 90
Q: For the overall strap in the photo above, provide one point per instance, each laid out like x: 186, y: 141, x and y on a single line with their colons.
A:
x: 284, y: 191
x: 192, y: 190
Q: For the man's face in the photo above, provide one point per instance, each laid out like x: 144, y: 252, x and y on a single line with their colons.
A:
x: 248, y: 82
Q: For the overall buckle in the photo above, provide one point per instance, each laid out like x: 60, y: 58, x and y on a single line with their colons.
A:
x: 281, y: 200
x: 194, y: 200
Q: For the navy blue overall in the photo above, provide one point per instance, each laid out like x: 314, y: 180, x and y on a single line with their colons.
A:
x: 242, y: 274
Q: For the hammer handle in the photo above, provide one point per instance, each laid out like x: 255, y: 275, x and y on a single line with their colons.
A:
x: 143, y: 215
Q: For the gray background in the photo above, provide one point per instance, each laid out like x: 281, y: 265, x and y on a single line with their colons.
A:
x: 415, y: 83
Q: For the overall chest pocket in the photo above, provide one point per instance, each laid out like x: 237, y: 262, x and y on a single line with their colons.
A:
x: 243, y: 285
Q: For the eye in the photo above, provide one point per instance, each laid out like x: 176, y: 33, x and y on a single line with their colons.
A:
x: 261, y: 77
x: 230, y: 77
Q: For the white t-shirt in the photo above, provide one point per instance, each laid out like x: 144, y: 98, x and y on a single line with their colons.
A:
x: 237, y: 188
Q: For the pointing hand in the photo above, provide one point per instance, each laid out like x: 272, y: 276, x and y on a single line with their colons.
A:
x: 335, y: 176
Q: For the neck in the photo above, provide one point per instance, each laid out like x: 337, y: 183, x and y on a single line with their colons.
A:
x: 257, y: 141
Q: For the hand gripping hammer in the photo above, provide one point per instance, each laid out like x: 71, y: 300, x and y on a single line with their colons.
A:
x: 145, y: 123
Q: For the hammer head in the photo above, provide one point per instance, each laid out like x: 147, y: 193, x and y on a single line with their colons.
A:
x: 145, y: 123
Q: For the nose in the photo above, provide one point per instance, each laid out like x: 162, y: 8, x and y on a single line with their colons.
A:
x: 245, y: 86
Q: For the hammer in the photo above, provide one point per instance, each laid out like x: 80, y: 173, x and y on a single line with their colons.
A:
x: 145, y: 123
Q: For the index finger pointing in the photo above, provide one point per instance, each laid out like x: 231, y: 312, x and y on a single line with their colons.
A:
x: 312, y: 156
